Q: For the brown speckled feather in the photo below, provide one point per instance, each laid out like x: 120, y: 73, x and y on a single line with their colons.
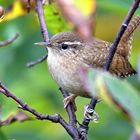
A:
x: 120, y: 65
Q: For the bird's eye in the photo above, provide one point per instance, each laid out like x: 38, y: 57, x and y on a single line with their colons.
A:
x: 64, y: 46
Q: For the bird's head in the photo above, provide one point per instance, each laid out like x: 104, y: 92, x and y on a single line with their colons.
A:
x: 64, y: 43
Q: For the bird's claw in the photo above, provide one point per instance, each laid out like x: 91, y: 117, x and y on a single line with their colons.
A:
x: 66, y: 101
x: 91, y: 114
x: 69, y: 99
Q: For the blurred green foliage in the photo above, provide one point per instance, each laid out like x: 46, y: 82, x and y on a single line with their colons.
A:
x: 36, y: 87
x: 124, y: 98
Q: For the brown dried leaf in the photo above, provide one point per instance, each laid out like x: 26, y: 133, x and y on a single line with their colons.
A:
x: 28, y: 4
x: 18, y: 8
x: 19, y: 116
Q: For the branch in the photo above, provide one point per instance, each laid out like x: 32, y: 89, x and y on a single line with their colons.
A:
x: 83, y: 129
x: 9, y: 40
x: 39, y: 60
x: 56, y: 118
x: 44, y: 32
x: 40, y: 12
x: 72, y: 117
x: 114, y: 46
x: 69, y: 108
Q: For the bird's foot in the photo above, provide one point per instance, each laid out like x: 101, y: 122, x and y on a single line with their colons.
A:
x: 69, y: 99
x: 45, y: 2
x: 91, y: 114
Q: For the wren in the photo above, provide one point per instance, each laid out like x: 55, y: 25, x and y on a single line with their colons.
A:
x: 67, y: 53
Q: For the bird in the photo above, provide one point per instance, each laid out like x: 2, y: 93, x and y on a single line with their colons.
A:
x: 67, y: 53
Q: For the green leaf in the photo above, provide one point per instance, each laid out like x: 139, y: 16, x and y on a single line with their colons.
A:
x: 87, y: 8
x: 114, y: 6
x: 55, y: 22
x: 117, y: 93
x: 2, y: 136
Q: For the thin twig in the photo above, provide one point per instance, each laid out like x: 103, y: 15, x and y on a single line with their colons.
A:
x: 9, y: 40
x: 41, y: 17
x: 113, y: 48
x: 40, y: 60
x: 44, y: 32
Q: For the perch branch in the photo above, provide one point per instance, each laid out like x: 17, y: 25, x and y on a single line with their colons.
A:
x: 70, y: 108
x: 83, y: 129
x: 113, y: 47
x: 9, y: 40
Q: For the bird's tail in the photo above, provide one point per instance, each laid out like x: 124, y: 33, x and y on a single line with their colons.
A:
x: 125, y: 44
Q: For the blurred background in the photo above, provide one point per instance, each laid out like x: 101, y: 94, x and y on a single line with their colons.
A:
x: 36, y: 86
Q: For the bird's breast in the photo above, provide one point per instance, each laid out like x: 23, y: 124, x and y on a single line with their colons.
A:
x: 65, y: 73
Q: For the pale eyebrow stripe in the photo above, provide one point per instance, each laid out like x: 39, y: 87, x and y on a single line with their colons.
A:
x: 73, y: 43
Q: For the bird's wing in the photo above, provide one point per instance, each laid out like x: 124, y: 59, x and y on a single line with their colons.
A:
x: 96, y: 55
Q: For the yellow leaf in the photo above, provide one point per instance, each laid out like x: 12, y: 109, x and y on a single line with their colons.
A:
x: 16, y: 11
x: 87, y: 7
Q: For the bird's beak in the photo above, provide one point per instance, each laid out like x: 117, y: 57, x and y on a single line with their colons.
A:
x: 47, y: 43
